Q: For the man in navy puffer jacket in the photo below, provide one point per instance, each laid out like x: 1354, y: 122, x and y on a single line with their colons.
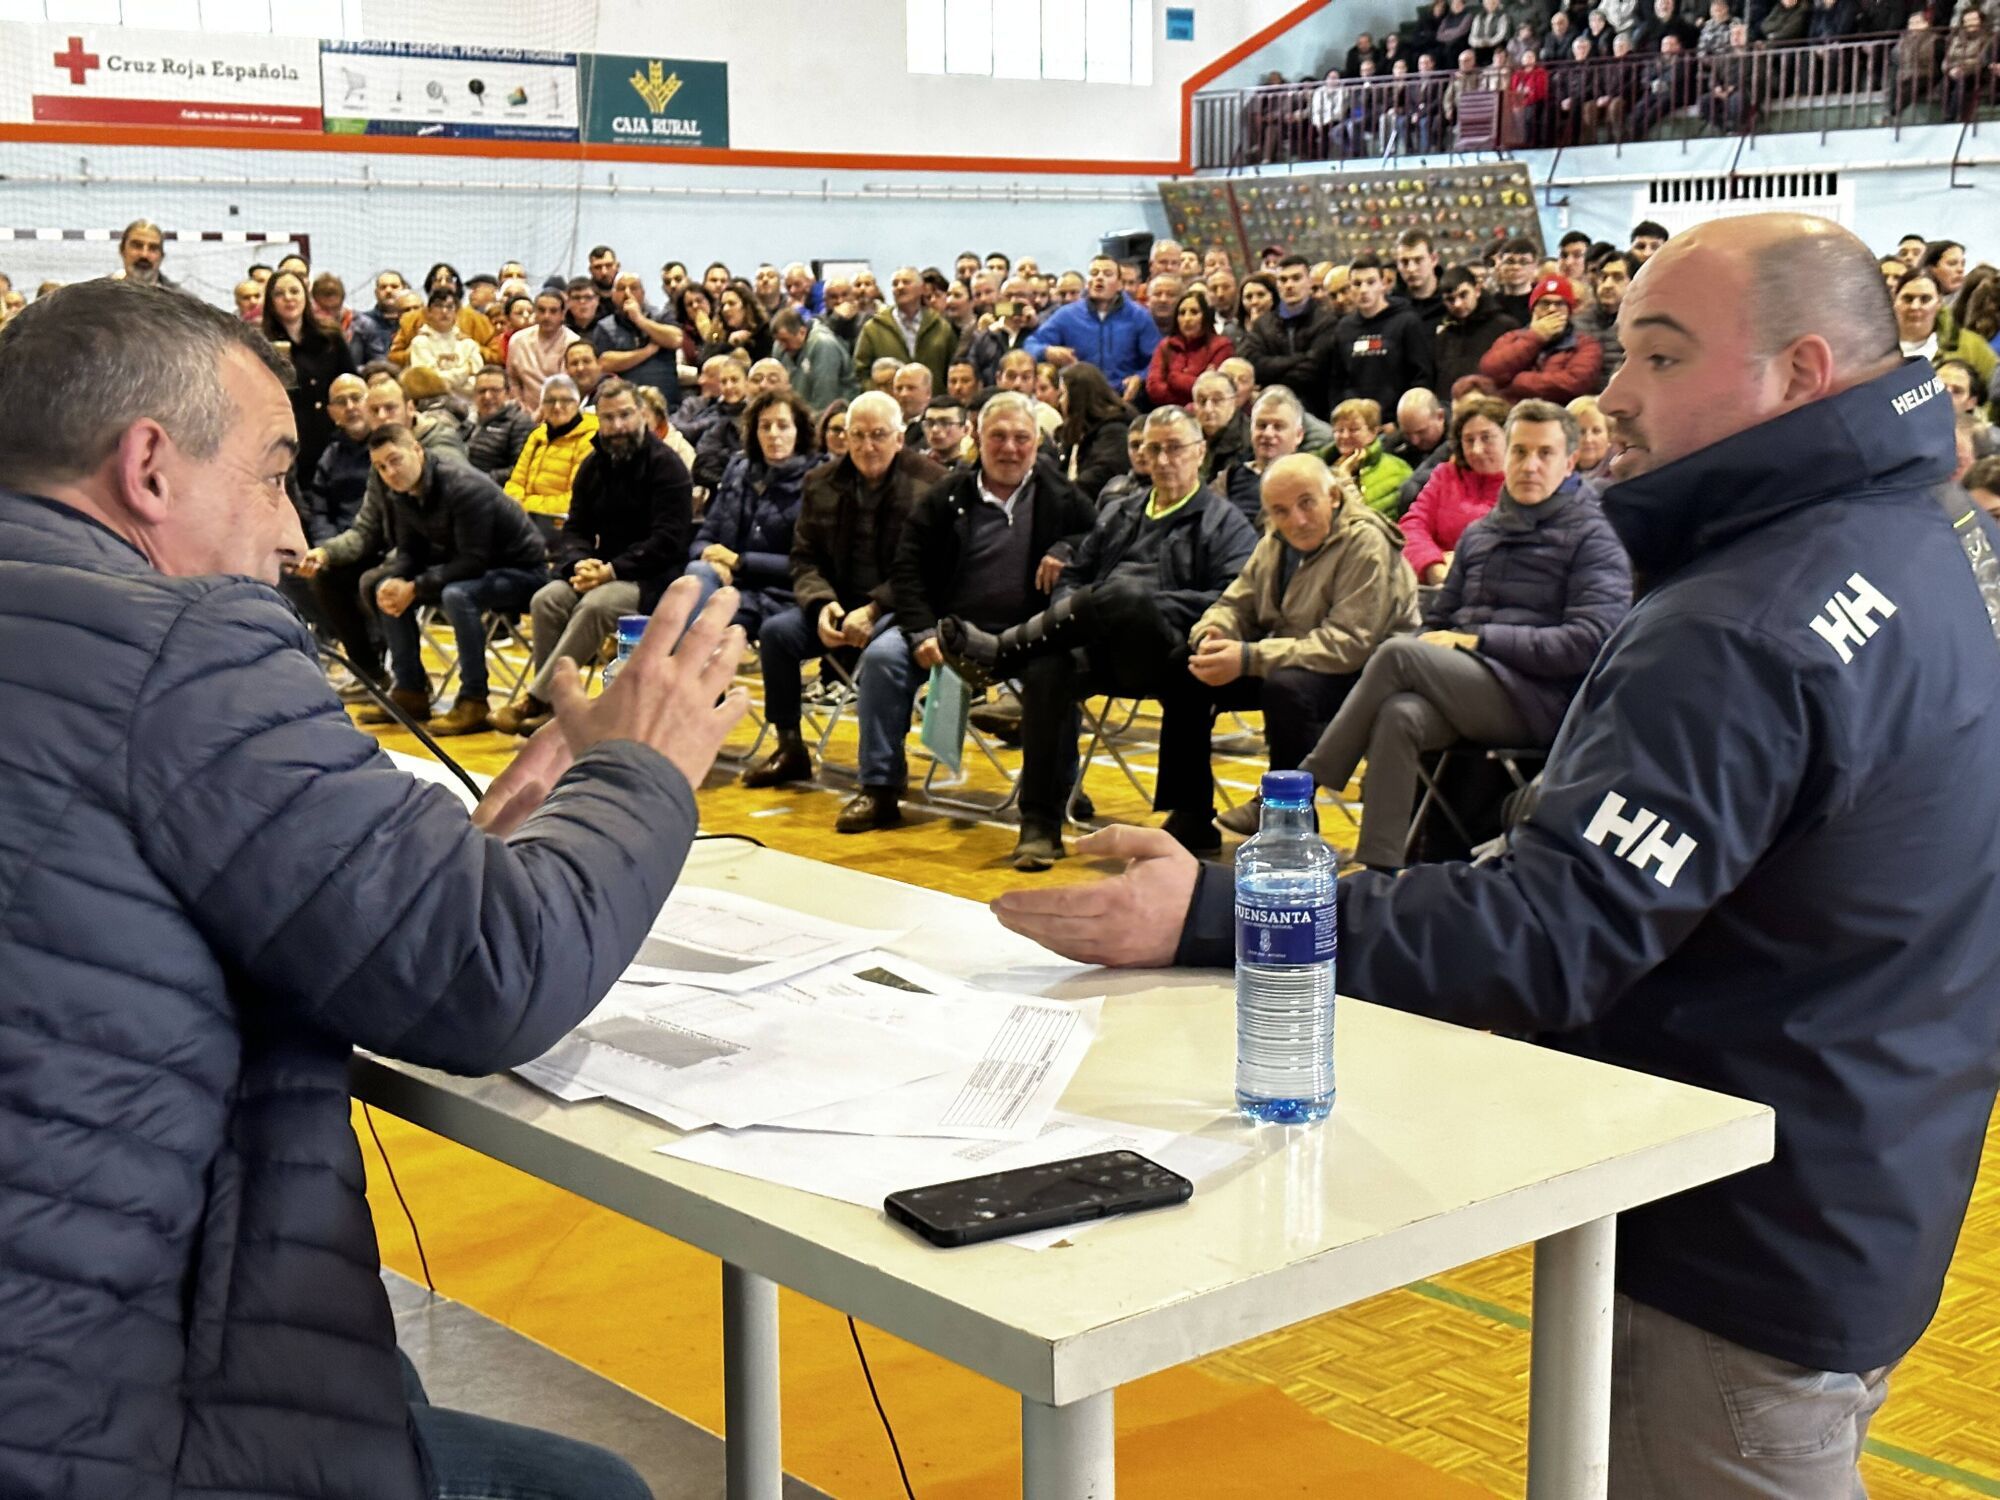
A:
x: 1534, y: 588
x: 1745, y: 871
x: 212, y: 888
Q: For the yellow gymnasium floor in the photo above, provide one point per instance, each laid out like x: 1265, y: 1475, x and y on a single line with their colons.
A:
x: 1418, y: 1393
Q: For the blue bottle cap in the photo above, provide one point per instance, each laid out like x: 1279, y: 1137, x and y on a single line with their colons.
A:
x: 630, y: 628
x: 1290, y: 788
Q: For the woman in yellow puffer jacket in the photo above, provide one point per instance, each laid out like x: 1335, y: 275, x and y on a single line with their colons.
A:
x: 546, y: 470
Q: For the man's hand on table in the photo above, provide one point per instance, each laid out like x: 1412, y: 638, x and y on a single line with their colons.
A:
x: 1132, y: 921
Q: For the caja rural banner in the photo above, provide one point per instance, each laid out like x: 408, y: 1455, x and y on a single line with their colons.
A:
x: 655, y: 101
x: 114, y: 75
x: 492, y: 93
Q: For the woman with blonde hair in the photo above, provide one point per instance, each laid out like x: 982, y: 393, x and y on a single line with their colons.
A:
x: 1594, y: 442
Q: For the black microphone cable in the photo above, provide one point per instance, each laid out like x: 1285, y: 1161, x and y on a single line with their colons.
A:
x: 388, y: 706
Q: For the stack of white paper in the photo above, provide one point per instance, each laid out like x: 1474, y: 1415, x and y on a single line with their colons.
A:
x: 795, y: 1035
x: 700, y: 1057
x: 750, y: 1014
x: 722, y: 941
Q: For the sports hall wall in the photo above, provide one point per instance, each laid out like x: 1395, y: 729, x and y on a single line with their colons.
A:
x: 835, y: 148
x: 1036, y: 167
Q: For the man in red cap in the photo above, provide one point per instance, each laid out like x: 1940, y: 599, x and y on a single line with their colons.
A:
x: 1550, y: 359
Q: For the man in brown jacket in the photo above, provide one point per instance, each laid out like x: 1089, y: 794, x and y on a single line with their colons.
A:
x: 843, y: 551
x: 1325, y: 587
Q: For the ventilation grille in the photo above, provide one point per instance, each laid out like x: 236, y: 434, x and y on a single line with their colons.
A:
x: 1682, y: 202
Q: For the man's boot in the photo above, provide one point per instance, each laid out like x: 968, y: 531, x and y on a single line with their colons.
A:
x: 1039, y: 847
x: 791, y: 761
x: 983, y: 657
x: 524, y: 715
x: 415, y: 705
x: 872, y: 807
x: 467, y: 716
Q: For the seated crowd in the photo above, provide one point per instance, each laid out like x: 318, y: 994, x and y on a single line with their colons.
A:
x: 1360, y: 500
x: 1574, y: 72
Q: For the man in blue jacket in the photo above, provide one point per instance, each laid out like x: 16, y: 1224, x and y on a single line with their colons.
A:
x: 212, y: 888
x: 1535, y: 586
x: 1105, y: 328
x: 1730, y: 877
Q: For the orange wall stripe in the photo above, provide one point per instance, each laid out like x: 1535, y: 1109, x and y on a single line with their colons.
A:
x: 400, y: 145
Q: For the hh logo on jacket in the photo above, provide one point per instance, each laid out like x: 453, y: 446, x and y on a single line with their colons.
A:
x: 1369, y: 346
x: 1643, y: 838
x: 1850, y: 621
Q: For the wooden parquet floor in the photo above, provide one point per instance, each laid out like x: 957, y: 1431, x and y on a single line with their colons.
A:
x: 1438, y: 1372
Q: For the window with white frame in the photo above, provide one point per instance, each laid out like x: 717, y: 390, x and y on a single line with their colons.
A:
x: 1092, y: 41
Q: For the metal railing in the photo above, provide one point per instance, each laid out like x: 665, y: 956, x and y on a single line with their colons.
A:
x: 1855, y: 83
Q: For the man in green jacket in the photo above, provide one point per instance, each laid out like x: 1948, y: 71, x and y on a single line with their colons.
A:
x: 906, y: 330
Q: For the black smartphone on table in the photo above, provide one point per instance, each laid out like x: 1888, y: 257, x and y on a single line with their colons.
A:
x: 973, y: 1209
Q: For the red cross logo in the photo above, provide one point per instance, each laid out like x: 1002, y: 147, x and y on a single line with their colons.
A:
x: 77, y: 61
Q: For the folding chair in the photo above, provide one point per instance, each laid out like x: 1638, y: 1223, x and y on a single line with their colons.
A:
x: 500, y: 664
x: 749, y: 673
x: 1429, y: 777
x: 818, y: 718
x: 1103, y: 735
x: 936, y: 792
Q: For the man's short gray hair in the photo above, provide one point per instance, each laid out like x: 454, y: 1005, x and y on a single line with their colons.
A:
x: 82, y: 364
x: 913, y: 368
x: 1007, y: 401
x: 559, y: 385
x: 1546, y: 411
x: 877, y: 404
x: 1177, y: 417
x: 1214, y: 378
x: 1280, y: 395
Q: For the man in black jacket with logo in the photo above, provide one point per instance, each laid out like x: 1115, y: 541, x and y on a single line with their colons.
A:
x: 1731, y: 877
x: 1146, y: 572
x: 989, y: 544
x: 1382, y: 348
x: 624, y: 541
x: 462, y: 544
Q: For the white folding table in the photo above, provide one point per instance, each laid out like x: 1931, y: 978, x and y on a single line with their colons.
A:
x: 1445, y: 1146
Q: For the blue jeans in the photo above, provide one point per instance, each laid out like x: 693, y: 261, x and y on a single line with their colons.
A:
x: 477, y: 1458
x: 885, y: 682
x: 503, y: 591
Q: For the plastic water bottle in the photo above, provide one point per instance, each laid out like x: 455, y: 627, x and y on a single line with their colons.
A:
x: 630, y: 628
x: 1285, y: 949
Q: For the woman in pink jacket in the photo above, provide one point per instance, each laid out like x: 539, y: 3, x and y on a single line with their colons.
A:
x: 1461, y: 489
x: 1188, y: 353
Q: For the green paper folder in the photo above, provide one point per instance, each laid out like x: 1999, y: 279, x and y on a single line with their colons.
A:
x: 945, y: 709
